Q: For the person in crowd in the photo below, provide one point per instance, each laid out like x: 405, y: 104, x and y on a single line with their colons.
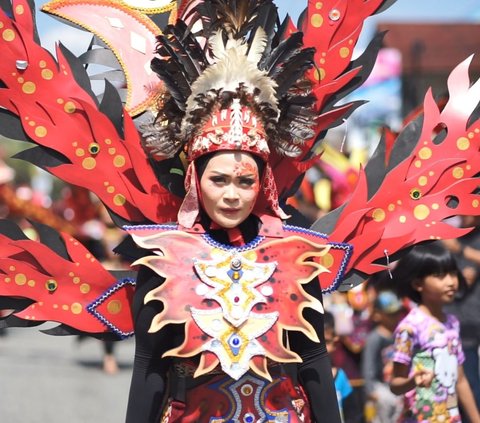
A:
x: 467, y: 303
x: 428, y: 355
x: 340, y: 378
x: 376, y: 363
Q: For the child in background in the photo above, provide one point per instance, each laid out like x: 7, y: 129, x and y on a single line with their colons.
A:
x: 428, y: 353
x: 342, y: 384
x: 377, y: 356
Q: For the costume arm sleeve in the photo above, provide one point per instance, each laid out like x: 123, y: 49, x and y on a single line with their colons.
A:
x: 315, y: 372
x: 149, y: 378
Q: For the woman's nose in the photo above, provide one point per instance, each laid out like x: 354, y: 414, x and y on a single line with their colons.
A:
x: 231, y: 192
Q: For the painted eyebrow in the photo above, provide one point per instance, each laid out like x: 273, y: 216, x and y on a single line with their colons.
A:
x: 218, y: 173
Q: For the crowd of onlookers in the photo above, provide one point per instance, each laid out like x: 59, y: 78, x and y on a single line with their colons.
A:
x: 404, y: 343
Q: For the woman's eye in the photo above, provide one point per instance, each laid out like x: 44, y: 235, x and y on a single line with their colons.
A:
x: 217, y: 179
x: 247, y: 181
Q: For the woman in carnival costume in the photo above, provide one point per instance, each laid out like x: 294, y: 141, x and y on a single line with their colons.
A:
x: 226, y: 306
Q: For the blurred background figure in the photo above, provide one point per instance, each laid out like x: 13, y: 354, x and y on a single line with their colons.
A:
x: 351, y: 312
x: 382, y: 406
x: 342, y: 384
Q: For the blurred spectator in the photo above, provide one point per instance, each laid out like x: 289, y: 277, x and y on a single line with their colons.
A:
x: 352, y: 323
x: 376, y: 365
x: 342, y: 384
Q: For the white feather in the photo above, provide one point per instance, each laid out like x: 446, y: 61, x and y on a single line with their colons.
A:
x: 258, y: 46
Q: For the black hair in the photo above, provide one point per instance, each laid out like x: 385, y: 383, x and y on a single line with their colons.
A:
x: 423, y: 260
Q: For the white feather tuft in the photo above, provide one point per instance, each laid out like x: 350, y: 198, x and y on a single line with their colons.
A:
x: 234, y: 67
x: 258, y: 46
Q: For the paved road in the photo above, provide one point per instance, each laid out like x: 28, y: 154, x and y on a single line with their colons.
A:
x: 47, y: 379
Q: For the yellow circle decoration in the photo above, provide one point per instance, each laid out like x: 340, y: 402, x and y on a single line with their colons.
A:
x: 40, y: 131
x: 418, y: 164
x: 31, y: 283
x: 435, y: 206
x: 76, y: 280
x: 425, y: 153
x: 20, y: 279
x: 475, y: 203
x: 328, y: 260
x: 7, y: 280
x: 108, y: 141
x: 318, y: 5
x: 111, y: 189
x: 119, y: 161
x: 458, y: 173
x: 391, y: 207
x: 80, y: 152
x: 42, y: 64
x: 19, y: 10
x: 60, y: 100
x: 378, y: 215
x: 84, y: 288
x: 463, y: 143
x: 316, y: 20
x: 29, y: 87
x: 114, y: 307
x: 344, y: 52
x: 112, y: 151
x: 402, y: 219
x: 69, y: 107
x: 8, y: 35
x: 47, y: 74
x: 319, y: 74
x: 421, y: 212
x: 89, y: 163
x: 422, y: 181
x: 32, y: 123
x: 119, y: 200
x: 76, y: 308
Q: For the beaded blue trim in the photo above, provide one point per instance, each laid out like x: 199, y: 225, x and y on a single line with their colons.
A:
x: 341, y: 271
x: 292, y: 228
x: 348, y: 248
x: 92, y: 307
x: 250, y: 246
x: 171, y: 227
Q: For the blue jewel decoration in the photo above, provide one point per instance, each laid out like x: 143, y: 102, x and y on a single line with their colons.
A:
x: 235, y: 343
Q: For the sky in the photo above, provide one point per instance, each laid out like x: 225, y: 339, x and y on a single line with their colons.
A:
x: 403, y: 10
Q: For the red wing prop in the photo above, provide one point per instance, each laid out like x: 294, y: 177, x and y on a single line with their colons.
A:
x: 431, y: 175
x: 49, y: 102
x: 60, y: 281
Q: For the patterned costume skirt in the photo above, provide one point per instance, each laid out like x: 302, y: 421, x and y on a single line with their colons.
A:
x: 247, y: 400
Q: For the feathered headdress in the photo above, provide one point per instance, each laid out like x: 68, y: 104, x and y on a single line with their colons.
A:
x: 242, y: 89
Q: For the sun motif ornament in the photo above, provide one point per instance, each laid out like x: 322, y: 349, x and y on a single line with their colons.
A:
x: 239, y: 301
x: 234, y: 326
